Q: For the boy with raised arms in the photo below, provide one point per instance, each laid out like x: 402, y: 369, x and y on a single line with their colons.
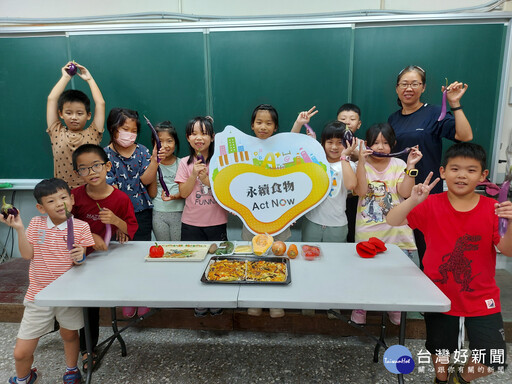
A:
x: 461, y: 233
x: 73, y: 107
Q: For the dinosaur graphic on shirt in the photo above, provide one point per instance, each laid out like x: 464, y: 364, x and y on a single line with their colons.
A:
x: 458, y: 264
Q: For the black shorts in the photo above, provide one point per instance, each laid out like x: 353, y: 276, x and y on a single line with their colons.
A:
x: 485, y: 334
x: 213, y: 233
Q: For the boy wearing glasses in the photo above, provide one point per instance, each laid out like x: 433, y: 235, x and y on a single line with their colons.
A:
x: 98, y: 204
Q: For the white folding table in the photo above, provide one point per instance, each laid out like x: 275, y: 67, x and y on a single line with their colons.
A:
x: 338, y: 279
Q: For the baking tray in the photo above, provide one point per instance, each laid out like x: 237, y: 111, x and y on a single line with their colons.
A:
x: 213, y: 259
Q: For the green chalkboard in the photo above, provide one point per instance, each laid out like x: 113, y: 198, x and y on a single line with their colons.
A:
x: 468, y: 53
x: 176, y: 75
x: 28, y: 70
x: 290, y: 69
x: 159, y: 75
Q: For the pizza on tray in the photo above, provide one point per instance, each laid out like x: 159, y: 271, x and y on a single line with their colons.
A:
x: 243, y: 270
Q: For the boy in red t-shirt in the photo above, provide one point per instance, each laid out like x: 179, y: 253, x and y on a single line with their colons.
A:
x: 44, y: 243
x: 461, y: 232
x: 99, y: 204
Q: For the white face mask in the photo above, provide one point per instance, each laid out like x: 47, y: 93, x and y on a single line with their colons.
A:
x: 125, y: 139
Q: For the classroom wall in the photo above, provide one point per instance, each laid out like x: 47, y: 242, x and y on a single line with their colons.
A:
x: 63, y: 8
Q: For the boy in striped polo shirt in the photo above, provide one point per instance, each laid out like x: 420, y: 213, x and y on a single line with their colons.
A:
x: 44, y: 243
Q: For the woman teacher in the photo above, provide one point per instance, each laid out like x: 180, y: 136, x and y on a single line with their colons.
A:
x: 416, y: 123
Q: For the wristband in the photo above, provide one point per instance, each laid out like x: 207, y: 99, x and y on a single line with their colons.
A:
x: 456, y: 108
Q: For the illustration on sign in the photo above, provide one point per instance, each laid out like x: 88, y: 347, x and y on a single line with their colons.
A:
x: 268, y: 183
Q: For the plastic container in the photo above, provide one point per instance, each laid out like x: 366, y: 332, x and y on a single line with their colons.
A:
x: 310, y: 251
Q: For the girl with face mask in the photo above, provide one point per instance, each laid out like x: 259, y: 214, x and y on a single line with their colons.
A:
x: 133, y: 166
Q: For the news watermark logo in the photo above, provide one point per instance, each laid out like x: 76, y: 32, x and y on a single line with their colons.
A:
x: 398, y: 359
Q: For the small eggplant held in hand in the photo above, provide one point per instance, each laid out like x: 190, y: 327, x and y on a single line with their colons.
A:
x: 396, y: 154
x: 8, y: 209
x: 502, y: 197
x: 443, y: 105
x: 348, y: 138
x: 72, y: 69
x: 310, y: 131
x: 158, y: 146
x: 200, y: 157
x: 108, y: 231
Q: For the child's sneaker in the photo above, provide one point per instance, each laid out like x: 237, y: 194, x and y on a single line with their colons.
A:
x: 129, y: 312
x: 308, y: 312
x: 216, y: 311
x: 276, y: 312
x: 394, y: 317
x: 33, y: 379
x: 254, y: 311
x: 72, y: 377
x: 200, y: 312
x: 141, y: 311
x: 333, y: 316
x: 358, y: 316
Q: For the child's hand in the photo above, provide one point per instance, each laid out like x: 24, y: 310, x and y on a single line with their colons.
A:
x: 363, y: 152
x: 122, y: 237
x: 108, y: 217
x: 504, y: 210
x: 305, y: 116
x: 163, y: 153
x: 99, y: 244
x: 414, y: 156
x: 350, y: 149
x: 77, y: 254
x: 171, y: 197
x: 199, y: 167
x: 421, y: 191
x: 455, y: 92
x: 11, y: 221
x: 83, y: 72
x: 154, y: 155
x: 64, y: 70
x: 203, y: 176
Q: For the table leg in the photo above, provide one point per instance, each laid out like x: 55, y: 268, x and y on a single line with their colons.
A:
x: 381, y: 341
x: 88, y: 343
x: 401, y: 339
x: 117, y: 333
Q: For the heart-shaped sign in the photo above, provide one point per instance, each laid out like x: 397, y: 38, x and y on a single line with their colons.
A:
x: 268, y: 183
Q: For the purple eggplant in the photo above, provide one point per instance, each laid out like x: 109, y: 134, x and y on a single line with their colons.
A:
x: 396, y: 154
x: 502, y: 197
x: 72, y: 69
x: 108, y: 230
x: 348, y: 138
x: 443, y: 104
x: 310, y: 131
x: 200, y: 157
x: 158, y: 146
x: 8, y: 209
x: 71, y: 233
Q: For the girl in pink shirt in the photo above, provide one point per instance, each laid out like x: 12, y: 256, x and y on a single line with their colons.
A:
x: 203, y: 219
